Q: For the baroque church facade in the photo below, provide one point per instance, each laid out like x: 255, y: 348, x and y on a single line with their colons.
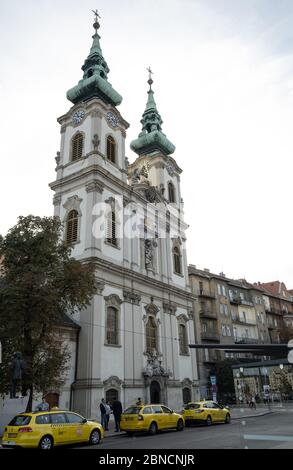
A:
x: 128, y: 220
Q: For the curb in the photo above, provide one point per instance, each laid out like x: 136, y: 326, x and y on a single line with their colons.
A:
x: 253, y: 416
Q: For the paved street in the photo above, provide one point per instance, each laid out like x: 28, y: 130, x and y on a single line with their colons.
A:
x: 272, y: 431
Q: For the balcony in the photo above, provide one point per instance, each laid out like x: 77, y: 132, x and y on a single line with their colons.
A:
x: 235, y: 299
x: 206, y: 294
x: 207, y: 313
x: 245, y: 340
x: 237, y: 319
x: 210, y: 335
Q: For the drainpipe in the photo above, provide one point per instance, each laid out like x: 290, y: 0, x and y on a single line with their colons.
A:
x: 75, y: 369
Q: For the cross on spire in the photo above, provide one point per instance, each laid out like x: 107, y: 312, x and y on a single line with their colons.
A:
x: 150, y: 80
x: 96, y: 24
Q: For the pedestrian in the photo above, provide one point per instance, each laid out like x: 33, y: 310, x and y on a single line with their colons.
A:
x: 43, y: 406
x: 108, y: 413
x: 103, y: 411
x: 253, y: 402
x: 139, y: 402
x: 117, y: 411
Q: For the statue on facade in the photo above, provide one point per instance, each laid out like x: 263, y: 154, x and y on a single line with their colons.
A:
x: 135, y: 177
x: 149, y: 255
x: 17, y: 370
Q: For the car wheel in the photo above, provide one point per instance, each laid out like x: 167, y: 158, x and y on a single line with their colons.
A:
x: 46, y: 443
x: 129, y: 433
x: 94, y: 437
x: 180, y: 425
x: 153, y: 429
x: 209, y: 421
x: 228, y: 419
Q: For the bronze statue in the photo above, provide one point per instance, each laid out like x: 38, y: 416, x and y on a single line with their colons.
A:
x: 17, y: 369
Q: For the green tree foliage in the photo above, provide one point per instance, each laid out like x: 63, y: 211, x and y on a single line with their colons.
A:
x: 40, y: 281
x: 225, y: 379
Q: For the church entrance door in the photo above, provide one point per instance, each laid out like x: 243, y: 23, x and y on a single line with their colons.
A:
x: 155, y: 390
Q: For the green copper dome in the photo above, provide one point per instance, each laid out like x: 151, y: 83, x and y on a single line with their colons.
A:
x: 94, y: 82
x: 151, y: 137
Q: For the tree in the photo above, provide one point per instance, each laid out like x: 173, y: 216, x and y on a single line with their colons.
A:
x: 40, y: 282
x: 225, y: 379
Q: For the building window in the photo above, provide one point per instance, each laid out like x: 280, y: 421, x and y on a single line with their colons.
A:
x: 224, y: 309
x: 151, y: 335
x: 111, y: 236
x: 224, y: 332
x: 111, y: 149
x: 186, y: 395
x: 76, y: 146
x: 183, y: 343
x: 72, y: 227
x: 228, y: 330
x: 111, y: 396
x: 112, y: 326
x: 221, y: 290
x: 177, y: 260
x: 171, y: 192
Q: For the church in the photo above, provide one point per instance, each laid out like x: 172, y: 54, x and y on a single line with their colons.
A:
x: 127, y: 219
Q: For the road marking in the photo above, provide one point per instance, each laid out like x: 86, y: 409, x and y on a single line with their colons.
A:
x: 264, y: 437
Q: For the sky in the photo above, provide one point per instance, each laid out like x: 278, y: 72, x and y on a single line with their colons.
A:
x: 223, y: 82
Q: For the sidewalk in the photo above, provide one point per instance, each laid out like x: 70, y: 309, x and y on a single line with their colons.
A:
x: 239, y: 412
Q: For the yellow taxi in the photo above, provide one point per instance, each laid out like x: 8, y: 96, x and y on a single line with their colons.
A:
x: 207, y: 412
x: 150, y: 418
x: 46, y: 429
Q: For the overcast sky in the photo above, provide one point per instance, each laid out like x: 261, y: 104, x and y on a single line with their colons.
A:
x: 223, y: 82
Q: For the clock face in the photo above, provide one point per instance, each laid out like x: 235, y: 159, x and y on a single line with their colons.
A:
x: 112, y: 119
x: 78, y: 116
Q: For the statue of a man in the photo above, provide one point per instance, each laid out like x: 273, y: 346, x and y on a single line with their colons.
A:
x: 17, y: 369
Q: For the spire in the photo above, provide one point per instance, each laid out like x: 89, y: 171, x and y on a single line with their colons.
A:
x: 95, y: 76
x: 151, y: 137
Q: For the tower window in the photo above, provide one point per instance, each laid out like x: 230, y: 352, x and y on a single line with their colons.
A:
x: 171, y: 192
x: 177, y: 260
x: 151, y: 335
x: 112, y: 326
x: 183, y: 343
x: 111, y: 235
x: 72, y: 227
x: 77, y: 146
x: 111, y: 149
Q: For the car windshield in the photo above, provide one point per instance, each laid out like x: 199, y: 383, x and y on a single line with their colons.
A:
x: 20, y: 420
x: 192, y: 406
x: 133, y: 410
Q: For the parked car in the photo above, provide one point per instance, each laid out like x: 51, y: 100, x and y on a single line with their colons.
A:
x: 47, y: 429
x: 150, y: 418
x: 207, y: 412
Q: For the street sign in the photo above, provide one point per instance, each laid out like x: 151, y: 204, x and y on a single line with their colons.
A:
x: 213, y: 379
x: 214, y: 397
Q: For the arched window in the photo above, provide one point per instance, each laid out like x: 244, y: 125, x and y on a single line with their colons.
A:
x: 186, y: 395
x: 112, y: 326
x: 171, y: 192
x: 177, y: 260
x: 76, y: 146
x: 111, y: 395
x: 72, y: 227
x: 151, y: 335
x: 111, y: 235
x: 183, y: 343
x: 111, y: 149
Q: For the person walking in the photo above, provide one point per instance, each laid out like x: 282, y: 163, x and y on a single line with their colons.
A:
x: 117, y: 411
x: 253, y: 402
x: 103, y: 411
x: 139, y: 402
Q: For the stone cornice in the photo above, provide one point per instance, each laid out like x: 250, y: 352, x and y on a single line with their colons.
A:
x: 139, y: 277
x: 131, y: 297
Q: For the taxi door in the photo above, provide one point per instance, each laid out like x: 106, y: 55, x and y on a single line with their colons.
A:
x: 78, y: 431
x: 59, y: 428
x: 158, y: 416
x: 170, y: 419
x: 217, y: 412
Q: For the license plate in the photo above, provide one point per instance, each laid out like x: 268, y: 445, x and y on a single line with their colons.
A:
x: 8, y: 443
x: 10, y: 435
